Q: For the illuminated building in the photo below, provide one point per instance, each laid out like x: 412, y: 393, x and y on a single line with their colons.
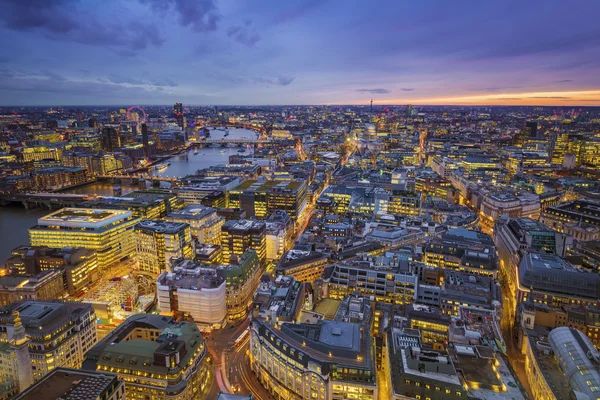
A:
x: 304, y: 266
x: 590, y: 154
x: 242, y: 276
x: 178, y: 112
x: 237, y: 236
x: 463, y: 250
x: 204, y: 222
x: 15, y: 362
x: 199, y: 190
x: 58, y: 177
x: 74, y: 384
x: 60, y: 333
x: 108, y: 232
x: 195, y: 291
x: 393, y: 284
x: 38, y: 153
x: 558, y: 147
x: 463, y: 371
x: 549, y: 279
x: 516, y: 237
x: 276, y: 239
x: 561, y: 364
x: 262, y: 198
x: 390, y: 236
x: 456, y: 289
x: 46, y: 285
x: 329, y: 360
x: 494, y: 205
x: 472, y: 163
x: 155, y: 357
x: 208, y: 253
x: 144, y: 203
x: 159, y: 242
x: 78, y: 265
x: 280, y: 300
x: 572, y: 212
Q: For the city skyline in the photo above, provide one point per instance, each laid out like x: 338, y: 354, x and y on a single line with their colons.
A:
x: 330, y: 52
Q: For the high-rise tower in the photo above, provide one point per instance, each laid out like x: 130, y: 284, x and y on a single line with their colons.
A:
x: 178, y: 111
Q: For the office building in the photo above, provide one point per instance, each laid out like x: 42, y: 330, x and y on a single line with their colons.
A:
x: 496, y: 204
x: 15, y: 361
x: 516, y: 237
x: 195, y: 291
x: 204, y: 222
x: 561, y: 364
x: 463, y: 371
x: 178, y: 112
x: 45, y: 285
x: 394, y: 282
x: 549, y: 279
x: 328, y: 360
x: 79, y: 266
x: 143, y: 204
x: 108, y: 232
x: 155, y: 357
x: 302, y: 265
x: 463, y: 250
x: 558, y: 217
x: 242, y: 276
x: 280, y: 300
x: 53, y: 178
x: 276, y: 240
x: 202, y: 188
x: 261, y: 198
x: 237, y: 236
x: 160, y: 242
x: 75, y: 384
x: 60, y: 333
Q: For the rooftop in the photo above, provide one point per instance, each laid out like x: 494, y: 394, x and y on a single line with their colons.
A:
x: 160, y: 226
x: 192, y: 211
x: 70, y: 384
x: 84, y: 218
x: 191, y: 276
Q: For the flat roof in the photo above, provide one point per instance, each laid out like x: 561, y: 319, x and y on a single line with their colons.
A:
x: 161, y: 226
x: 340, y: 334
x: 192, y: 211
x: 84, y: 218
x: 69, y: 384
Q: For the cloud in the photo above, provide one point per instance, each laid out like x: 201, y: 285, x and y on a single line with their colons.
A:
x: 296, y: 12
x: 47, y: 82
x: 243, y: 36
x: 199, y: 15
x: 373, y: 91
x: 564, y: 81
x: 277, y: 80
x: 67, y: 20
x: 495, y: 89
x: 280, y: 80
x: 407, y: 89
x: 118, y: 79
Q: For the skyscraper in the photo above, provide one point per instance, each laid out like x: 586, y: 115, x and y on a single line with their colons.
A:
x: 178, y: 111
x: 531, y: 129
x: 145, y: 138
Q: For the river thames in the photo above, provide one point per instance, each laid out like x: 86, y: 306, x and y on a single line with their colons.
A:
x: 15, y: 220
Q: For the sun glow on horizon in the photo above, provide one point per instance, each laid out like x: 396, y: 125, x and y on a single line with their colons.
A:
x: 548, y: 98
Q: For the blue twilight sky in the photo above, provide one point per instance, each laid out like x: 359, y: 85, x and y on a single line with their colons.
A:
x: 75, y: 52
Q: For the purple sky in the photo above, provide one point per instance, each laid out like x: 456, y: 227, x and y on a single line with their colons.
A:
x: 74, y: 52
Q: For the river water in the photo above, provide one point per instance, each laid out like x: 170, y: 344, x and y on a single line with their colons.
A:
x: 15, y: 220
